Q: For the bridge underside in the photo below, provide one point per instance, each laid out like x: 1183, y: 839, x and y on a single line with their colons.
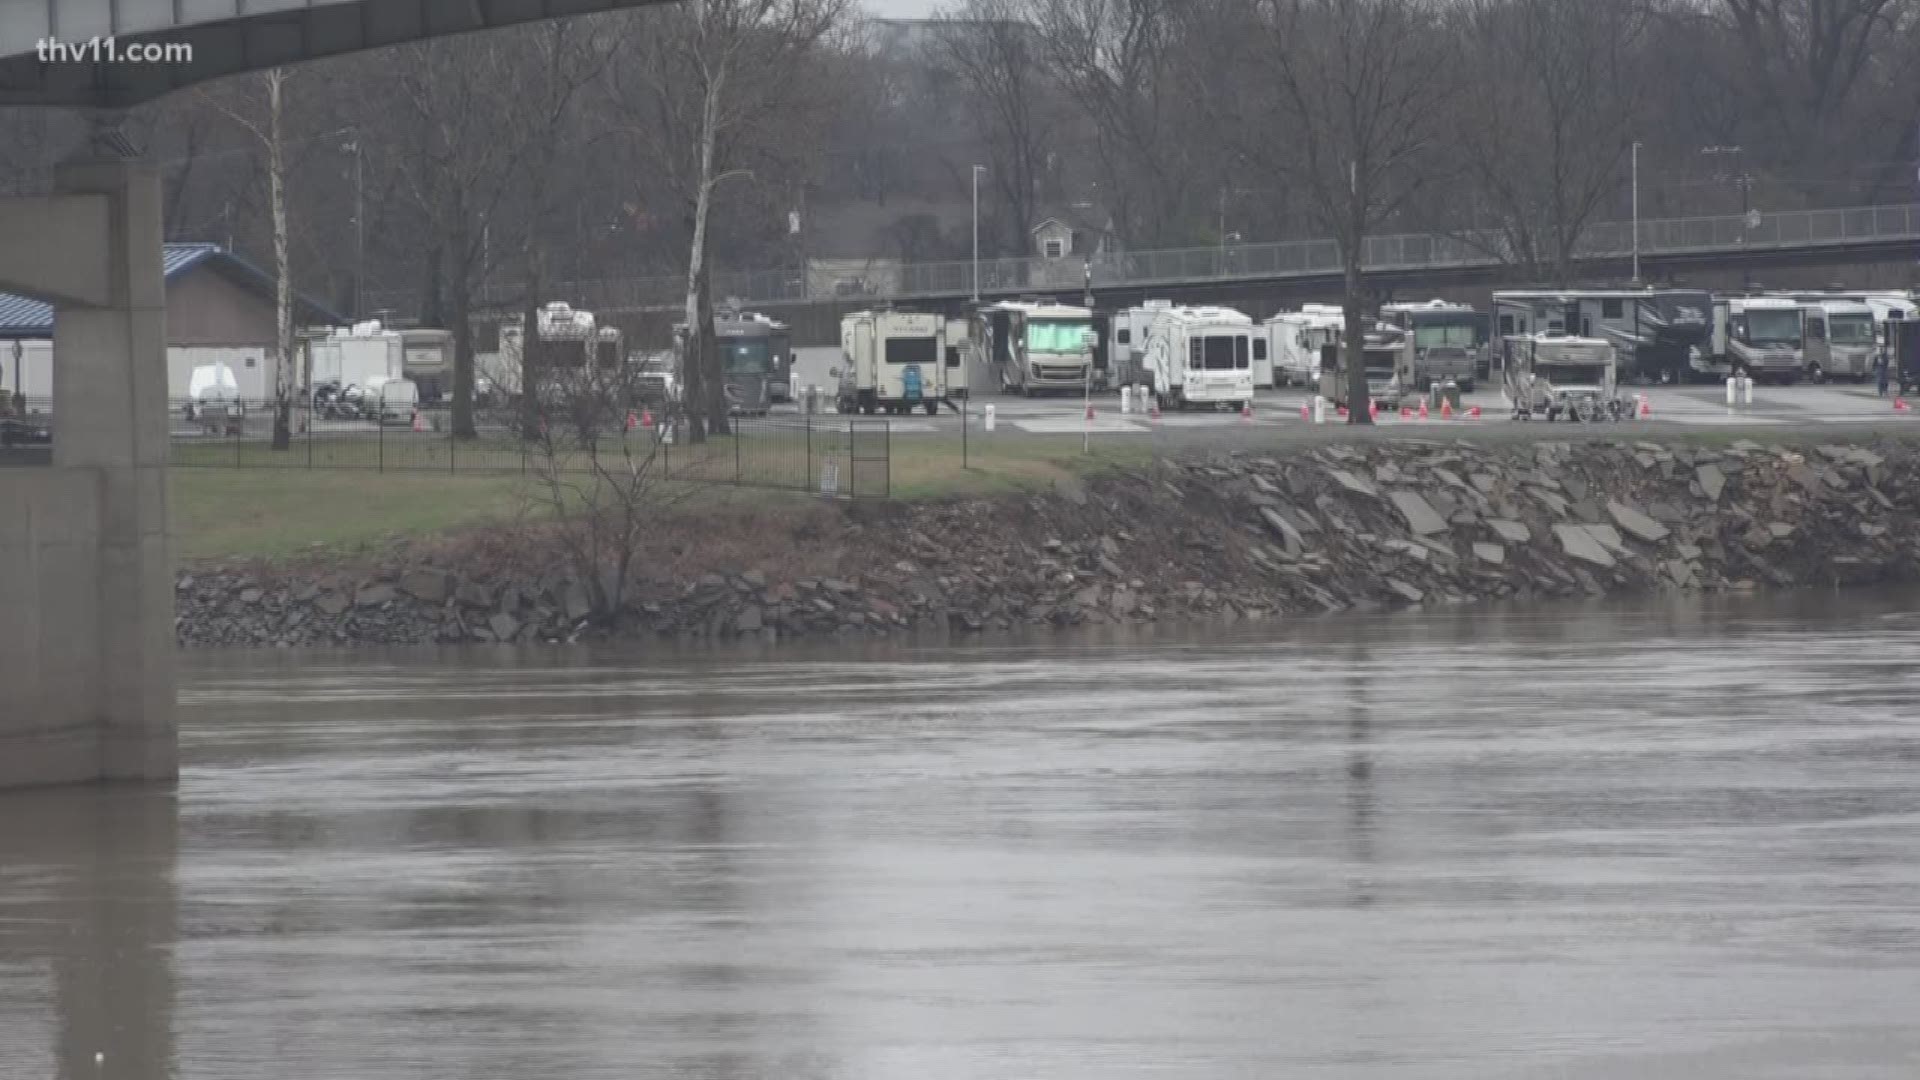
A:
x: 86, y: 578
x: 228, y: 37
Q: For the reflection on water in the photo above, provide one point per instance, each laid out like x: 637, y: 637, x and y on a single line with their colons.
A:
x: 1665, y: 842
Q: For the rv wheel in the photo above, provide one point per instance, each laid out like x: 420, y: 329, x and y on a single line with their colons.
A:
x: 1815, y: 374
x: 933, y: 408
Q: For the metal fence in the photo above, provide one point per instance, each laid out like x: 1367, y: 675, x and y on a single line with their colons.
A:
x: 836, y: 456
x: 888, y: 279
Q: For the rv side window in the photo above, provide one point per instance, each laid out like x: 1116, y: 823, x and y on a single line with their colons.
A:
x: 953, y: 356
x: 1240, y: 353
x: 1196, y: 352
x: 1611, y: 309
x: 1506, y: 326
x: 1124, y: 336
x: 1259, y: 348
x: 1817, y: 329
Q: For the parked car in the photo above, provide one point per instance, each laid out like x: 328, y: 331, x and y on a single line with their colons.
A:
x: 24, y: 431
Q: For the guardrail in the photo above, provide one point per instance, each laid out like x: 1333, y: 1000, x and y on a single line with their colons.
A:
x: 883, y: 279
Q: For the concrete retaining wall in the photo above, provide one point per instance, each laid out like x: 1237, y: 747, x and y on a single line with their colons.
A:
x: 49, y: 642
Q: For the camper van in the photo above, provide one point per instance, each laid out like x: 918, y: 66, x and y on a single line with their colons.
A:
x: 1551, y: 375
x: 1442, y: 342
x: 1036, y: 346
x: 1200, y: 356
x: 892, y: 361
x: 1659, y: 335
x: 1380, y: 352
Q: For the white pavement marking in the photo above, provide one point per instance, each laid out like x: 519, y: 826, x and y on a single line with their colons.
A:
x: 1073, y: 425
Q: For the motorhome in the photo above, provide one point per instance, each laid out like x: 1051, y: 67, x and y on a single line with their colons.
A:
x: 892, y: 361
x: 1659, y: 335
x: 1200, y: 356
x: 1443, y: 341
x: 1553, y: 375
x: 1762, y: 336
x: 756, y: 348
x: 1128, y: 337
x: 1841, y: 341
x: 1037, y: 346
x: 1380, y: 351
x: 1295, y: 340
x: 571, y: 344
x: 1884, y: 304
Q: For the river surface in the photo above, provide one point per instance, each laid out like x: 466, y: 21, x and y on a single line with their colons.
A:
x: 1669, y: 841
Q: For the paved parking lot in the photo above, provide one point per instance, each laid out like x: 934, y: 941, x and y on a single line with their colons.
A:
x: 1694, y: 406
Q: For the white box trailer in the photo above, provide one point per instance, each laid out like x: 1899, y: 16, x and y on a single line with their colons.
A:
x: 355, y: 356
x: 893, y: 361
x: 1295, y: 338
x: 1128, y: 339
x: 1200, y: 356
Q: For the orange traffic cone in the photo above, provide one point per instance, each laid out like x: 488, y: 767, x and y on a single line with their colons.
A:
x: 1406, y: 412
x: 1306, y: 410
x: 1473, y: 413
x: 1900, y: 405
x: 1373, y: 408
x: 1154, y: 413
x: 632, y: 420
x: 1446, y: 408
x: 419, y: 422
x: 1423, y: 408
x: 646, y: 417
x: 1246, y: 411
x: 1340, y: 409
x: 1089, y: 412
x: 1646, y: 406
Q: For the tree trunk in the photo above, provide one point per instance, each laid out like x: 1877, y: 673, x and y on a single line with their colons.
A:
x: 718, y: 422
x: 283, y: 288
x: 1358, y: 396
x: 460, y: 303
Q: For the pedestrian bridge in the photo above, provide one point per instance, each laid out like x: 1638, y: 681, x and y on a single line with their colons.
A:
x: 1867, y: 230
x: 86, y: 592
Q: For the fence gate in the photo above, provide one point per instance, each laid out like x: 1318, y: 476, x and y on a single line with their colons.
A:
x: 870, y: 445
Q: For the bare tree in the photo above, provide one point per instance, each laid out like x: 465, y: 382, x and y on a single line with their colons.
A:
x: 1550, y: 112
x: 1343, y: 98
x: 601, y: 490
x: 702, y: 85
x: 1119, y: 61
x: 270, y: 132
x: 999, y: 59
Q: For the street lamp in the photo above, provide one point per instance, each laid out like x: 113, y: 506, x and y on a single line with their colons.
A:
x: 977, y: 170
x: 1636, y: 214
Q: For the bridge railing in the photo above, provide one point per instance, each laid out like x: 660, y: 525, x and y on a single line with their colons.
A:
x: 884, y: 279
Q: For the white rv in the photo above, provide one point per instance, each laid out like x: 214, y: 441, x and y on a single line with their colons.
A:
x: 1763, y: 336
x: 1840, y: 340
x: 1443, y: 341
x: 954, y: 354
x: 570, y: 340
x: 1295, y: 339
x: 1129, y: 340
x: 428, y: 361
x: 892, y: 361
x: 1035, y: 346
x: 1200, y: 356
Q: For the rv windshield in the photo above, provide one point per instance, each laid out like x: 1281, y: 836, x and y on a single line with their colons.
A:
x: 1057, y: 335
x: 745, y: 356
x: 1850, y: 329
x: 1217, y: 353
x: 1567, y: 374
x: 911, y: 350
x: 1457, y: 333
x: 1770, y: 327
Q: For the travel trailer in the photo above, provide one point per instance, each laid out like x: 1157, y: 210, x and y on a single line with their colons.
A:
x: 571, y: 342
x: 1128, y: 341
x: 1659, y: 335
x: 1036, y: 346
x: 1442, y: 341
x: 1295, y: 340
x: 892, y: 361
x: 1200, y: 356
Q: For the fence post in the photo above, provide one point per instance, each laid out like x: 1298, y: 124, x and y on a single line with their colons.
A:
x: 453, y: 446
x: 309, y: 433
x: 806, y: 472
x: 736, y: 451
x: 380, y: 425
x: 238, y: 430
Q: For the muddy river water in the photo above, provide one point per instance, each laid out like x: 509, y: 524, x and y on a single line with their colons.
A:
x: 1674, y: 840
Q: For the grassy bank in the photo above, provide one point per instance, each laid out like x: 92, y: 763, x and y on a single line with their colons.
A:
x: 275, y: 512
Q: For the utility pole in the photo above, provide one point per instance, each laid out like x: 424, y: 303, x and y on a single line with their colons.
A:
x: 1636, y: 213
x: 977, y: 170
x: 359, y: 228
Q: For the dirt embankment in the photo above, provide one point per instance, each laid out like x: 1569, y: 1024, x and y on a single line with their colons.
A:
x: 1245, y: 535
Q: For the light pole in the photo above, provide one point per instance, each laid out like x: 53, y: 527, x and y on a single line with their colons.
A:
x: 977, y: 170
x: 359, y: 228
x: 1636, y: 213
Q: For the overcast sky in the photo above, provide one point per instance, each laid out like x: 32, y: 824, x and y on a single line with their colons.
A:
x: 912, y: 9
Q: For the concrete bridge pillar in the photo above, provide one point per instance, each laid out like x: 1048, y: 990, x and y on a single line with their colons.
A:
x: 86, y: 597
